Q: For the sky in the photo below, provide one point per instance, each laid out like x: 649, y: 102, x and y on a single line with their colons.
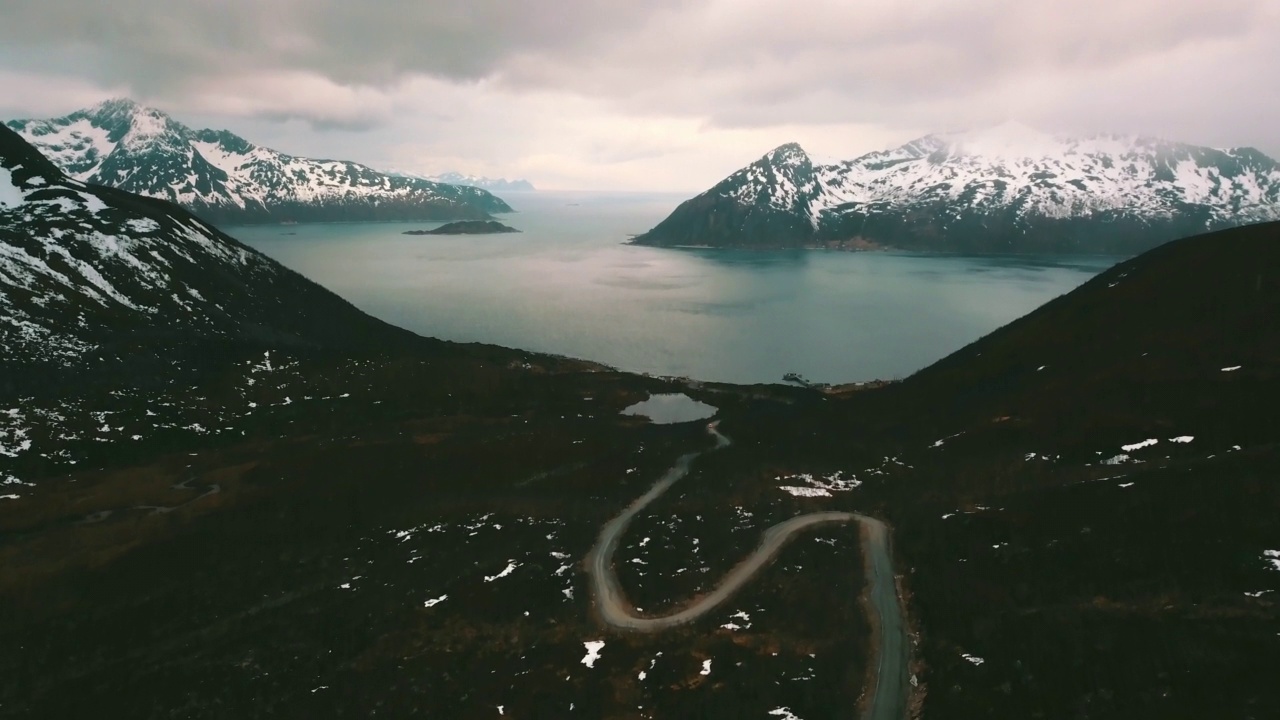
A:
x: 660, y: 95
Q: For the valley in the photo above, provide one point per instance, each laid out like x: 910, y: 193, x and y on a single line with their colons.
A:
x: 227, y: 491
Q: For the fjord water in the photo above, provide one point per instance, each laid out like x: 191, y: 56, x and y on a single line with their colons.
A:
x: 569, y: 285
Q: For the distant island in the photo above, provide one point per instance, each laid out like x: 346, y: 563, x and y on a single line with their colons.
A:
x: 467, y: 227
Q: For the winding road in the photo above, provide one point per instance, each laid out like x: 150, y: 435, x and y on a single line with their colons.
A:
x: 888, y: 693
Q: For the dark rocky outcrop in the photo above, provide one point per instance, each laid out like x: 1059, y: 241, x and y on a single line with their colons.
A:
x: 467, y: 227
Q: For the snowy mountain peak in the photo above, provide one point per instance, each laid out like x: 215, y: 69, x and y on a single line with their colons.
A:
x: 225, y: 178
x: 1009, y: 140
x: 114, y: 113
x: 999, y: 189
x: 787, y: 155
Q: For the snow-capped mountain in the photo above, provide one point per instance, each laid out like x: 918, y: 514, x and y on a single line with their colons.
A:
x: 1005, y: 189
x: 91, y: 274
x: 457, y: 178
x: 226, y: 179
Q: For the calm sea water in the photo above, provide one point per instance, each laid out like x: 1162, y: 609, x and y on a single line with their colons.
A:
x: 568, y: 285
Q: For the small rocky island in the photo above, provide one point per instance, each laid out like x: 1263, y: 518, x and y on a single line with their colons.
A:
x: 467, y: 227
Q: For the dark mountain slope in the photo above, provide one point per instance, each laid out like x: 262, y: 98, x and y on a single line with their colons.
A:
x: 1092, y: 494
x: 93, y: 277
x: 762, y: 205
x: 1142, y: 342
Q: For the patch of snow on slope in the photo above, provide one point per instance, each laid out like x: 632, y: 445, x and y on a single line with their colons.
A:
x: 145, y: 124
x: 78, y: 146
x: 10, y: 194
x: 1139, y: 445
x: 142, y: 225
x: 784, y: 714
x: 92, y: 203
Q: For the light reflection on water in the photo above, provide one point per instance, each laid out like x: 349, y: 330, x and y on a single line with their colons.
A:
x: 669, y: 408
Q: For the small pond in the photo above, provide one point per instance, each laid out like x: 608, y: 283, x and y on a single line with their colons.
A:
x: 668, y: 408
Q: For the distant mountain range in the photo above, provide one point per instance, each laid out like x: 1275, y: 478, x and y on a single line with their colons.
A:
x: 1005, y: 189
x: 91, y: 274
x: 224, y: 178
x: 457, y: 178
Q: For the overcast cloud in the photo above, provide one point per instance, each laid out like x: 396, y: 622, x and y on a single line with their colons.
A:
x: 664, y: 94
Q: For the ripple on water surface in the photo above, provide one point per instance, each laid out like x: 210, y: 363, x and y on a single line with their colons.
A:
x: 668, y: 408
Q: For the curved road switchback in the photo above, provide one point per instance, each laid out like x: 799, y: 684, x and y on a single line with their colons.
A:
x: 888, y: 694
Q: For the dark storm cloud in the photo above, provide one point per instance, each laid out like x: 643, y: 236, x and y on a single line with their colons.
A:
x: 763, y: 63
x: 660, y: 78
x: 157, y: 44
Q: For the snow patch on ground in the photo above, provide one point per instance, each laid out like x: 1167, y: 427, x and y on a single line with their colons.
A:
x: 435, y: 601
x: 805, y: 491
x: 1182, y: 439
x: 1139, y: 445
x: 510, y: 568
x: 593, y: 652
x: 972, y: 658
x: 1272, y: 557
x: 1233, y: 368
x: 940, y: 443
x: 819, y: 486
x: 706, y: 668
x: 784, y: 714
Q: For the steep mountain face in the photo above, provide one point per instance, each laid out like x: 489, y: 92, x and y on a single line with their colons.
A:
x: 226, y: 179
x: 90, y: 274
x: 1006, y: 189
x: 490, y: 184
x: 766, y: 204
